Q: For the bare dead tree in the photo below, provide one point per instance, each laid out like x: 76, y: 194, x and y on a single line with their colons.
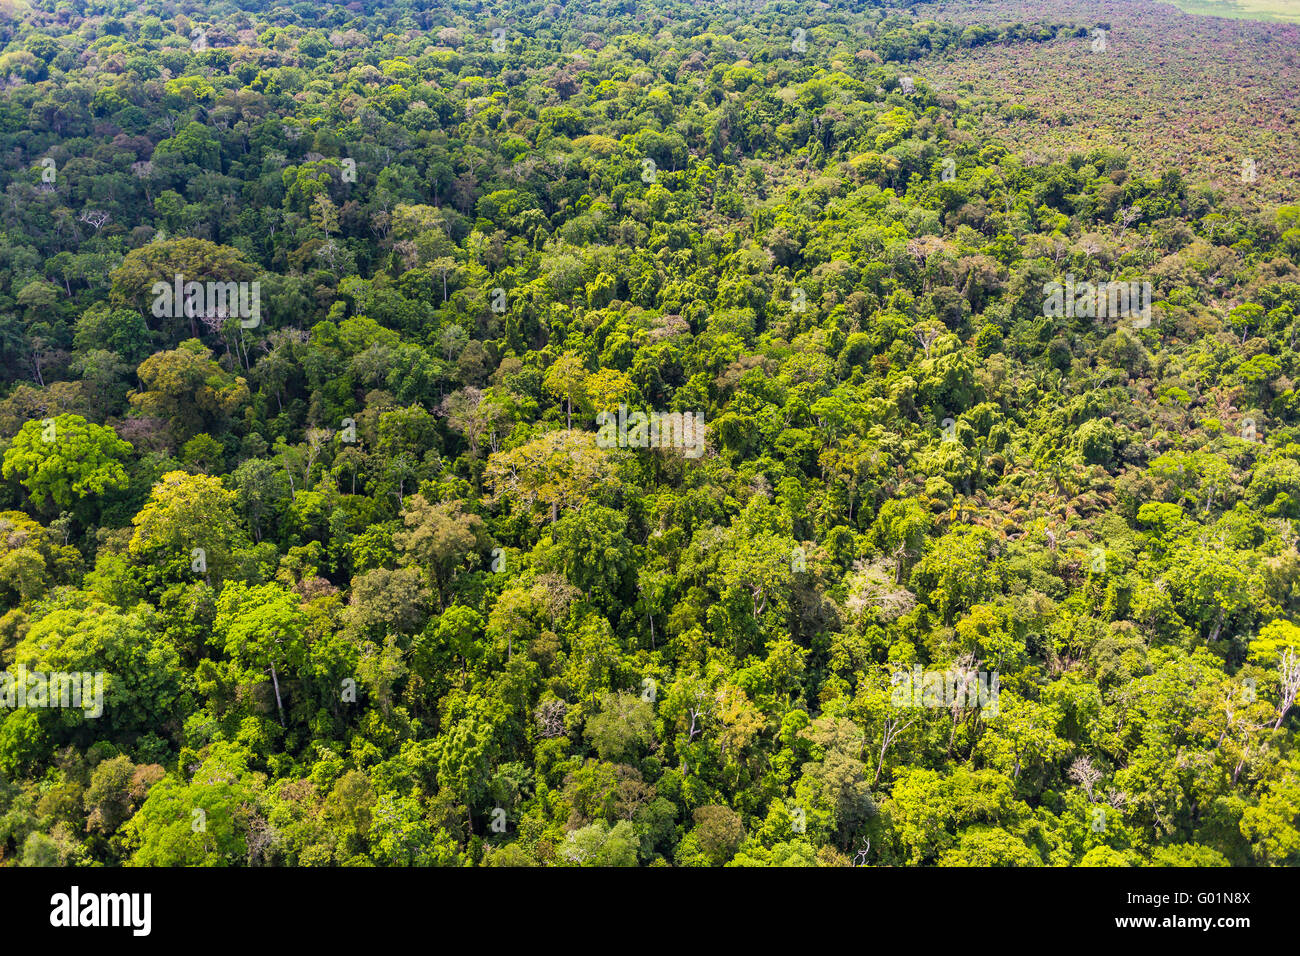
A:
x: 1239, y: 728
x: 892, y: 728
x: 1059, y: 251
x: 262, y: 835
x: 860, y: 857
x: 1085, y: 775
x: 550, y: 718
x: 316, y: 441
x: 1128, y: 216
x: 94, y: 218
x: 926, y: 337
x: 698, y: 711
x: 1289, y: 670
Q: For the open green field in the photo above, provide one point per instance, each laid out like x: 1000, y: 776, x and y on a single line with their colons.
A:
x: 1286, y: 10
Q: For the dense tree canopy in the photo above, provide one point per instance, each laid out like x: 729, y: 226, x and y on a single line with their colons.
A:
x: 368, y: 582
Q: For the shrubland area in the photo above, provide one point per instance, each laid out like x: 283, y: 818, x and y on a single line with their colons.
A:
x: 364, y: 585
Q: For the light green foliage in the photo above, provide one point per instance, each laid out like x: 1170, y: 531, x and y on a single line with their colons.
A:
x: 366, y: 584
x: 65, y: 459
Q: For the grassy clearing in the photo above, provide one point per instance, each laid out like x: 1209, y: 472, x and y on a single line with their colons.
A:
x: 1277, y: 10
